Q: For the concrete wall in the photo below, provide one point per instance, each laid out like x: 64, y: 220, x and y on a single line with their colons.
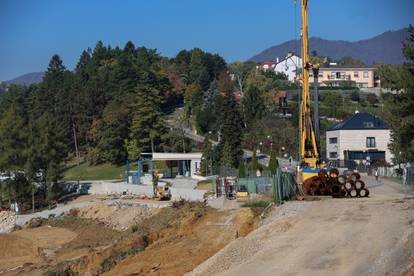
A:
x: 356, y: 140
x: 103, y: 188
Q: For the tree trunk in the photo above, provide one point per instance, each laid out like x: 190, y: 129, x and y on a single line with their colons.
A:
x: 33, y: 203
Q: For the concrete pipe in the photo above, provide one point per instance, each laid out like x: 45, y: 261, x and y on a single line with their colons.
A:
x: 353, y: 193
x: 363, y: 192
x: 359, y: 184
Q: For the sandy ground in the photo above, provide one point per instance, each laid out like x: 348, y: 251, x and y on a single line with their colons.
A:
x: 361, y: 236
x: 28, y: 245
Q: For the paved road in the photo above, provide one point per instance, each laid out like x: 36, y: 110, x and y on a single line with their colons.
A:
x: 361, y: 236
x: 22, y: 219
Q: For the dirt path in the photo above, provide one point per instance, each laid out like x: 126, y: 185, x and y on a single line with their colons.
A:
x: 370, y: 236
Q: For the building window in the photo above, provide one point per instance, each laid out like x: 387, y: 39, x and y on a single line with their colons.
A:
x: 333, y: 154
x: 333, y: 140
x: 320, y: 75
x: 338, y: 75
x: 371, y: 142
x: 356, y: 74
x: 365, y: 74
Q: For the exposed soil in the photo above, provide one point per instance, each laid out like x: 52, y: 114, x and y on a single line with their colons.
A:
x: 153, y: 244
x: 182, y: 246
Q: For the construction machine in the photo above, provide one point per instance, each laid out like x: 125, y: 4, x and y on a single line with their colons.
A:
x: 318, y: 178
x: 161, y: 193
x: 309, y: 153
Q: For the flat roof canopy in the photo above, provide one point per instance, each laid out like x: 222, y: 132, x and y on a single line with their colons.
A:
x: 160, y: 156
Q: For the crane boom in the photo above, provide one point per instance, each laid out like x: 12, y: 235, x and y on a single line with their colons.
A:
x: 308, y: 144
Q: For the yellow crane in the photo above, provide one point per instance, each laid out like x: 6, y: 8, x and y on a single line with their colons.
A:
x: 310, y: 157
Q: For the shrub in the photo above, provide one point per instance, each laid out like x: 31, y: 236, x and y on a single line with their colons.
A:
x: 257, y: 204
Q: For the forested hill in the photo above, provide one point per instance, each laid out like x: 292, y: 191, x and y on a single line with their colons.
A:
x: 384, y: 48
x: 27, y: 79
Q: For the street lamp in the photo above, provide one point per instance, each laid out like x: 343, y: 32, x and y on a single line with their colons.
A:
x: 271, y: 142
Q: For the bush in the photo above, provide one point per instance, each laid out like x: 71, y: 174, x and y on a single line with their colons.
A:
x: 257, y: 204
x: 242, y: 170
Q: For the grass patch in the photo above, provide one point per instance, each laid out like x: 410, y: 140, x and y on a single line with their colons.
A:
x: 94, y: 172
x: 205, y: 185
x: 117, y: 257
x: 107, y: 171
x: 256, y: 204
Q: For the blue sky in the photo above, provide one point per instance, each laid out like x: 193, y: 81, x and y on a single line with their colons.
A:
x: 32, y: 31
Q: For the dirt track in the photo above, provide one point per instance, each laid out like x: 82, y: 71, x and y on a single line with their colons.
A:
x: 370, y: 236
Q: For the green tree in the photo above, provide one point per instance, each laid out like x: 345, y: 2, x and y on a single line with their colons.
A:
x: 401, y: 105
x: 230, y: 123
x: 273, y: 163
x: 355, y: 96
x: 13, y: 143
x: 254, y: 164
x: 132, y: 148
x: 347, y: 60
x: 240, y: 70
x: 253, y: 104
x: 193, y: 100
x: 241, y: 172
x: 206, y: 156
x: 148, y: 125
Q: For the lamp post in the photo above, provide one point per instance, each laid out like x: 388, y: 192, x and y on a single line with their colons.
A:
x: 271, y: 142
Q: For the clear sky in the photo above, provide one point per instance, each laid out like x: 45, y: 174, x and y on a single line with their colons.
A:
x: 32, y: 31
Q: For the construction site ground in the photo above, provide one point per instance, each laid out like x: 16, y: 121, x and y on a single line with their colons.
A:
x: 360, y: 236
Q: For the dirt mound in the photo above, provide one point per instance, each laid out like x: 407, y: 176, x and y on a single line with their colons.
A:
x: 7, y: 221
x: 31, y: 245
x: 119, y: 216
x: 181, y: 244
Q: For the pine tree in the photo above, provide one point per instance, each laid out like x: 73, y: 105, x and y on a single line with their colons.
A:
x: 400, y: 107
x: 253, y: 104
x: 230, y: 123
x: 227, y: 158
x: 254, y: 164
x: 206, y: 156
x: 13, y: 143
x: 273, y: 163
x: 242, y: 170
x: 148, y: 126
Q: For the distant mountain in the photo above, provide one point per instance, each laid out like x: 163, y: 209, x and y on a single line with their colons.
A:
x: 27, y: 79
x: 384, y: 48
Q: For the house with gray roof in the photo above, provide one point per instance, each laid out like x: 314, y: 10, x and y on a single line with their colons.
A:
x: 362, y: 136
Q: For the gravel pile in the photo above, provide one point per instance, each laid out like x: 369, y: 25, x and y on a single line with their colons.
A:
x: 241, y: 249
x: 7, y: 221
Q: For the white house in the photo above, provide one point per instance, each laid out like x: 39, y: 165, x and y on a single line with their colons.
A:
x: 288, y: 66
x: 363, y: 136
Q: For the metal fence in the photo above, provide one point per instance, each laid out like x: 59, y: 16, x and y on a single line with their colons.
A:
x: 281, y: 186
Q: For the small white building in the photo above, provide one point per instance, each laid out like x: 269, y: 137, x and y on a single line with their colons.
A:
x: 288, y: 66
x: 189, y: 161
x: 363, y: 136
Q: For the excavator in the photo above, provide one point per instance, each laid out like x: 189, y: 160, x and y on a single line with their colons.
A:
x: 160, y: 193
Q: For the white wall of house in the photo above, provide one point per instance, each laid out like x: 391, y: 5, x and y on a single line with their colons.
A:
x: 288, y: 66
x: 356, y: 140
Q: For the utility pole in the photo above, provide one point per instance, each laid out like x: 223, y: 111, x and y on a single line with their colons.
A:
x: 315, y: 70
x: 76, y: 147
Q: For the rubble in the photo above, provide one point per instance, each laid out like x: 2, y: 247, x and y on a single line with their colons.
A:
x: 7, y: 221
